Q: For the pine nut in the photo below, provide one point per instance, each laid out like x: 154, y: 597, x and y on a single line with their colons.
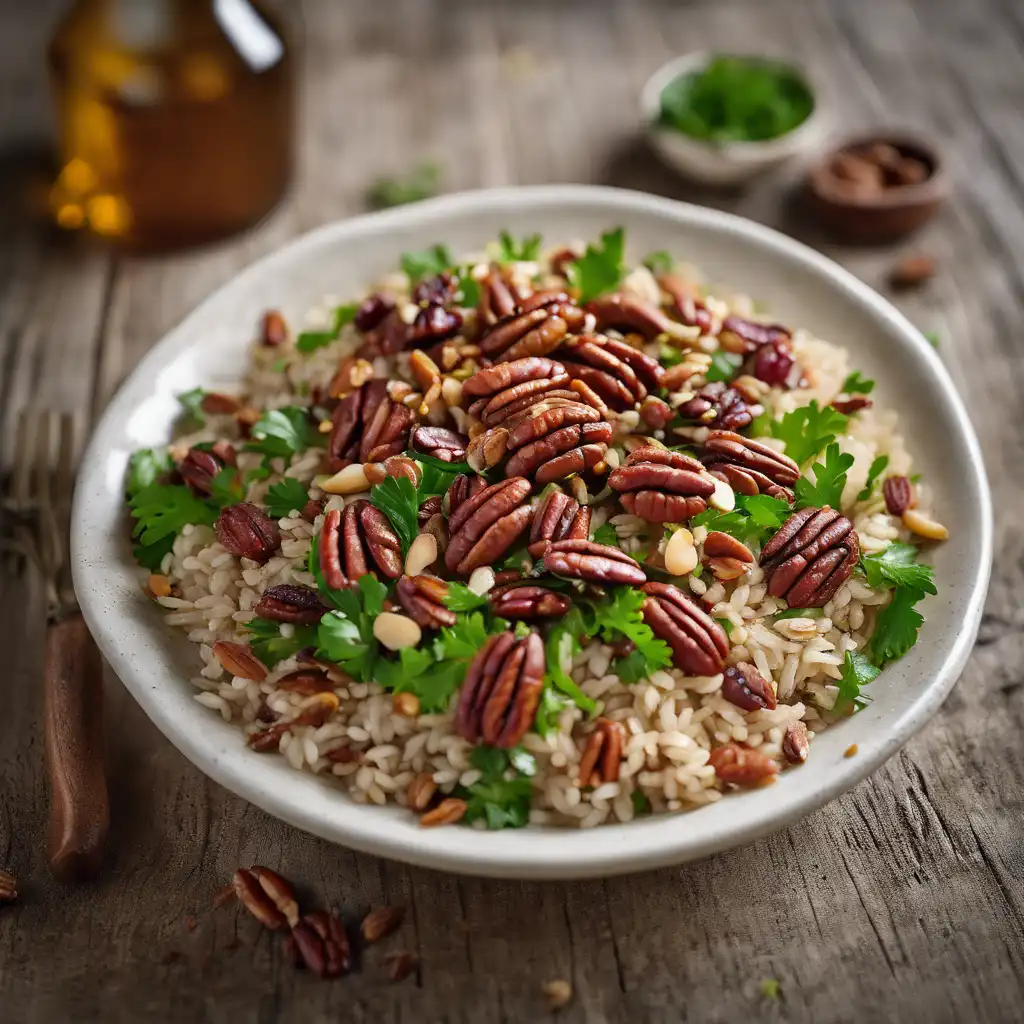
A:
x: 724, y: 498
x: 680, y: 553
x: 481, y: 580
x: 396, y: 631
x: 159, y: 586
x: 422, y: 551
x: 405, y: 704
x: 924, y: 526
x: 350, y: 480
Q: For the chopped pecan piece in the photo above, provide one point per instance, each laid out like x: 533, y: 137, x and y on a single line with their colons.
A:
x: 737, y: 765
x: 625, y: 313
x: 527, y: 603
x: 592, y: 562
x: 535, y: 332
x: 380, y: 923
x: 273, y: 329
x: 745, y: 687
x: 811, y: 557
x: 795, y: 744
x: 356, y: 540
x: 719, y: 405
x: 602, y: 754
x: 620, y: 374
x: 422, y: 597
x: 421, y: 791
x: 749, y: 467
x: 248, y: 532
x: 198, y: 469
x: 289, y: 603
x: 699, y: 644
x: 899, y: 495
x: 440, y: 443
x: 367, y: 426
x: 558, y: 517
x: 485, y: 526
x: 662, y: 486
x: 499, y: 698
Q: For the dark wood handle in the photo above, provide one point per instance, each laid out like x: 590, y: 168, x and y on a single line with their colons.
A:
x: 73, y: 723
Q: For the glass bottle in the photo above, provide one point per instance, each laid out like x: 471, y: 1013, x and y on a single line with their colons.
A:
x: 175, y: 118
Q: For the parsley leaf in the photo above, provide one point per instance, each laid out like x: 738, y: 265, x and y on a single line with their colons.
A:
x: 669, y: 355
x: 145, y: 467
x: 345, y: 635
x: 502, y: 795
x: 416, y: 671
x: 396, y: 497
x: 619, y: 614
x: 436, y: 475
x: 897, y: 565
x: 227, y: 488
x: 660, y: 262
x: 310, y: 341
x: 875, y: 470
x: 410, y: 188
x: 271, y: 647
x: 192, y: 403
x: 429, y: 263
x: 829, y: 480
x: 512, y: 251
x: 286, y: 496
x: 281, y: 432
x: 724, y: 365
x: 461, y: 599
x: 857, y: 672
x: 754, y: 519
x: 632, y: 668
x: 467, y: 290
x: 765, y: 512
x: 160, y: 512
x: 855, y: 384
x: 606, y: 534
x: 808, y: 430
x: 896, y: 628
x: 562, y: 644
x: 599, y: 269
x: 551, y: 705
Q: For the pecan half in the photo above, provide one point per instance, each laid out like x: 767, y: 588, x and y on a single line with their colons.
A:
x: 620, y: 374
x: 899, y: 495
x: 483, y: 527
x: 746, y: 336
x: 699, y: 644
x: 662, y: 486
x: 439, y: 442
x: 724, y: 545
x: 289, y: 603
x: 356, y: 540
x: 306, y: 682
x: 592, y: 562
x: 198, y: 469
x: 560, y: 453
x: 719, y: 405
x: 737, y: 765
x: 625, y: 313
x: 499, y: 698
x: 602, y: 755
x: 399, y: 965
x: 380, y: 923
x: 323, y: 944
x: 273, y: 331
x: 558, y: 517
x: 526, y: 603
x: 748, y: 466
x: 498, y: 299
x: 811, y: 557
x: 422, y: 597
x: 535, y: 332
x: 686, y: 303
x: 493, y: 390
x: 795, y: 744
x: 267, y: 896
x: 248, y: 532
x: 745, y: 687
x: 8, y: 887
x: 367, y: 426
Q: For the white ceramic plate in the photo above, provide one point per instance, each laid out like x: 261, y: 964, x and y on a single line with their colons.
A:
x: 799, y: 285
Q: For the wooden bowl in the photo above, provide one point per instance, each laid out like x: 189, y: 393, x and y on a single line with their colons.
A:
x: 880, y: 216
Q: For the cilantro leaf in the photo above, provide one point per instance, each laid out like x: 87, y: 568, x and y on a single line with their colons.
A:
x: 310, y: 341
x: 599, y: 269
x: 502, y: 794
x: 857, y: 672
x: 396, y: 497
x: 875, y: 470
x: 897, y: 566
x: 429, y: 263
x: 146, y: 467
x: 855, y: 384
x: 512, y: 251
x: 286, y: 496
x: 896, y: 628
x: 660, y: 262
x: 421, y: 183
x: 192, y: 403
x: 227, y: 488
x: 160, y: 512
x: 271, y: 647
x: 620, y: 614
x: 724, y: 365
x: 345, y: 635
x: 829, y: 480
x: 754, y: 519
x: 461, y: 599
x: 808, y: 430
x: 281, y: 432
x: 467, y: 289
x: 606, y: 534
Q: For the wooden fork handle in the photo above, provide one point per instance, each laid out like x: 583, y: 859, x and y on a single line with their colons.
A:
x: 73, y: 726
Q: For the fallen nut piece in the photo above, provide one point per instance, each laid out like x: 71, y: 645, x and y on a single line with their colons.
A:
x: 280, y: 892
x: 592, y: 562
x: 380, y: 923
x: 322, y: 944
x: 396, y: 631
x: 557, y: 994
x: 399, y: 965
x: 745, y: 687
x: 8, y: 887
x: 924, y: 526
x: 350, y: 480
x: 899, y: 494
x: 912, y: 271
x: 737, y: 765
x: 680, y: 553
x: 447, y: 812
x: 267, y: 896
x: 699, y: 644
x: 421, y: 791
x: 795, y: 744
x: 239, y: 660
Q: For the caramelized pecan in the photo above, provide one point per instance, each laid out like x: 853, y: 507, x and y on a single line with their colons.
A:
x: 560, y: 453
x: 620, y: 374
x: 737, y: 765
x: 367, y: 426
x: 499, y: 698
x: 536, y: 332
x: 662, y: 486
x: 483, y: 527
x: 899, y: 495
x: 526, y: 602
x: 422, y: 597
x: 439, y: 442
x: 811, y: 557
x: 625, y: 313
x: 699, y: 644
x: 749, y: 467
x: 558, y: 517
x: 592, y: 562
x: 356, y: 540
x: 719, y: 405
x: 447, y: 812
x: 289, y: 603
x: 493, y: 390
x: 745, y: 687
x: 198, y: 469
x: 248, y: 532
x: 602, y: 755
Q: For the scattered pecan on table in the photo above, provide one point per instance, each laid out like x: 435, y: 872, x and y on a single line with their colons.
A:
x: 748, y: 466
x: 662, y: 486
x: 503, y: 684
x: 484, y: 526
x: 368, y: 426
x: 248, y: 532
x: 8, y: 887
x: 602, y: 753
x: 321, y: 944
x: 355, y: 541
x: 558, y: 517
x: 592, y: 562
x: 811, y: 557
x: 699, y: 644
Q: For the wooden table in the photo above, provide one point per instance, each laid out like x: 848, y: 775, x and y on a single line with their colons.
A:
x: 901, y: 901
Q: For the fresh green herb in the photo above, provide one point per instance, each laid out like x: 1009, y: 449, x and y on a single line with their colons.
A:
x: 467, y: 289
x: 798, y: 613
x: 829, y: 480
x: 562, y: 644
x: 764, y: 511
x: 771, y: 988
x: 285, y: 497
x: 761, y: 426
x: 875, y: 470
x: 660, y: 262
x: 461, y: 599
x: 192, y: 403
x: 279, y: 433
x: 606, y: 534
x: 551, y: 705
x: 736, y: 99
x: 160, y: 512
x: 345, y: 635
x: 512, y: 251
x: 429, y: 263
x: 271, y: 647
x: 619, y: 615
x: 857, y: 672
x: 896, y: 627
x: 698, y: 571
x: 670, y: 355
x: 724, y: 365
x: 279, y: 365
x: 227, y: 488
x: 632, y: 667
x: 915, y: 478
x: 501, y: 797
x: 855, y: 384
x: 727, y: 625
x: 755, y: 518
x: 310, y: 341
x: 932, y: 337
x: 599, y: 269
x: 641, y: 804
x: 436, y: 475
x: 416, y: 671
x: 808, y: 430
x: 146, y: 467
x: 396, y: 497
x: 897, y: 566
x: 421, y: 183
x: 464, y: 640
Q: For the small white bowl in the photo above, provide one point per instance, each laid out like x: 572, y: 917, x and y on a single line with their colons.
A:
x: 723, y: 163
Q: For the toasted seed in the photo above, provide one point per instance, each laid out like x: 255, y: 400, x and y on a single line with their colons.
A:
x: 396, y: 631
x: 405, y: 704
x: 159, y: 586
x: 481, y: 580
x: 724, y: 498
x: 239, y: 660
x: 350, y: 480
x: 680, y: 553
x: 447, y: 812
x: 924, y: 526
x: 850, y: 751
x: 557, y: 994
x: 421, y: 791
x: 422, y: 552
x: 380, y: 923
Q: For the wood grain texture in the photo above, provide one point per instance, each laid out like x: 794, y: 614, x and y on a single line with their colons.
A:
x: 902, y: 901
